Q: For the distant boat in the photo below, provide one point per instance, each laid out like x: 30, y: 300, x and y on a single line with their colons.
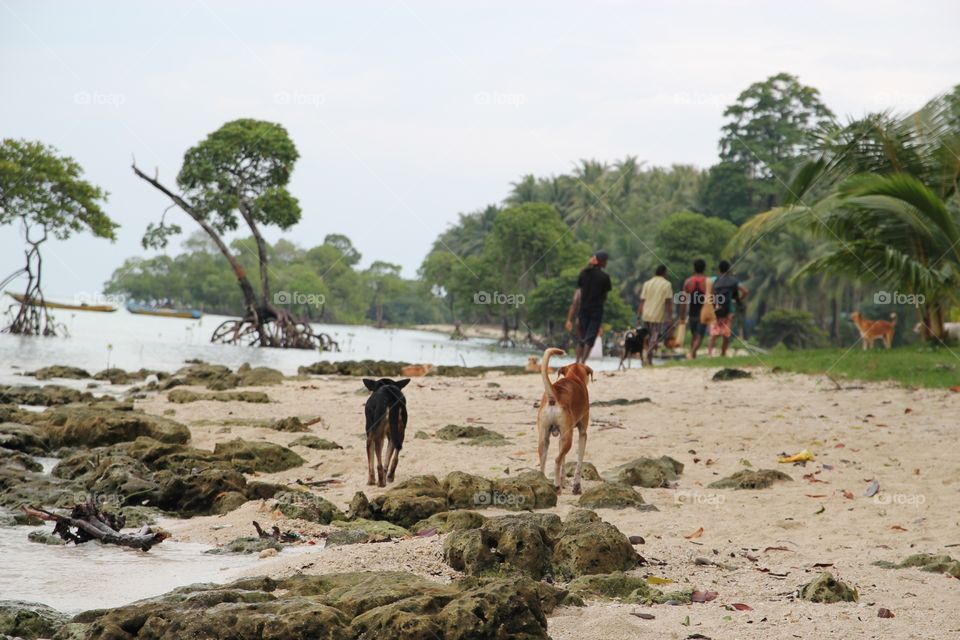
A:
x: 102, y: 308
x: 142, y: 309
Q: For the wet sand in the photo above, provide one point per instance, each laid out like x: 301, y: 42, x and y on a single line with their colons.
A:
x: 906, y: 439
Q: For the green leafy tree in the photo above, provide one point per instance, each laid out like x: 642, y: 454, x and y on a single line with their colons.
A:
x: 239, y: 173
x: 46, y: 194
x: 769, y: 127
x: 881, y: 195
x: 685, y: 236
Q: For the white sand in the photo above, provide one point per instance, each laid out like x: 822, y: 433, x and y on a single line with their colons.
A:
x: 912, y: 453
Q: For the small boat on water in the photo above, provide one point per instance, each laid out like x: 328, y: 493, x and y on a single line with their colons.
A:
x: 102, y: 308
x: 145, y: 310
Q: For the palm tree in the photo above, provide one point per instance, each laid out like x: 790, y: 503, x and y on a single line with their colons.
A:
x: 882, y: 194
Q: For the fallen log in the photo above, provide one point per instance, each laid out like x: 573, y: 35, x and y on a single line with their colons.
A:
x: 91, y: 523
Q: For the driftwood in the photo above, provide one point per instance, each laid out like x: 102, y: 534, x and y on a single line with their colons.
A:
x: 276, y: 534
x: 91, y: 523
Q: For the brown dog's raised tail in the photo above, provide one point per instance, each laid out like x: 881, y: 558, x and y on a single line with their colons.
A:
x: 545, y: 371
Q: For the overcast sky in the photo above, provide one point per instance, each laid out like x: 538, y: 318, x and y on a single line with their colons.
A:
x: 406, y: 113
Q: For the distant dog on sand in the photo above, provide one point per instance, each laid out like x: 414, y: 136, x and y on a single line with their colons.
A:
x: 386, y: 412
x: 533, y: 365
x: 873, y: 330
x: 565, y: 405
x: 416, y: 370
x: 634, y: 344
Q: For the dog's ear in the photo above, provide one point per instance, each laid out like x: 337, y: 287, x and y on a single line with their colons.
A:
x: 373, y: 385
x: 562, y: 371
x: 400, y: 384
x: 590, y: 371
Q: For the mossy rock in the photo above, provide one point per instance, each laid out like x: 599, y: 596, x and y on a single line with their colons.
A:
x: 731, y: 374
x: 313, y: 442
x: 96, y: 426
x: 651, y: 473
x: 246, y: 545
x: 472, y: 435
x: 587, y: 471
x: 621, y: 586
x: 46, y: 537
x: 410, y: 501
x: 248, y: 376
x: 613, y: 496
x: 293, y: 424
x: 60, y: 371
x: 29, y: 620
x: 827, y: 589
x: 528, y: 490
x: 927, y: 562
x: 421, y: 435
x: 466, y: 491
x: 119, y: 376
x: 46, y: 396
x: 587, y: 545
x: 182, y: 396
x: 521, y: 543
x: 373, y: 527
x: 447, y: 521
x: 23, y: 438
x: 751, y: 479
x: 257, y: 456
x: 228, y: 501
x: 359, y: 507
x: 304, y: 505
x: 196, y: 492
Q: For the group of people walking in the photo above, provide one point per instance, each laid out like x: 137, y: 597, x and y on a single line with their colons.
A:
x: 703, y: 305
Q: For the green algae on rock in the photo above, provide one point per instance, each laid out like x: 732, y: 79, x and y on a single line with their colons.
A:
x: 609, y: 495
x: 313, y: 442
x: 335, y: 607
x: 651, y: 473
x: 751, y: 479
x: 827, y: 589
x: 926, y: 562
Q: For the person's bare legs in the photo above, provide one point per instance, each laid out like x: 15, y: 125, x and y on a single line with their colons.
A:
x: 724, y: 345
x: 695, y: 344
x: 711, y: 344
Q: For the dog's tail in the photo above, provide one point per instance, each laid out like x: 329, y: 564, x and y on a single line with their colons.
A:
x: 397, y: 405
x: 545, y: 370
x: 893, y: 318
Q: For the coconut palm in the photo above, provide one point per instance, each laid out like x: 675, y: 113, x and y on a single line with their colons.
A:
x: 882, y: 194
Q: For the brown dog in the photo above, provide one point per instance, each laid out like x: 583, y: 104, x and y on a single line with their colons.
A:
x: 565, y: 404
x: 416, y: 370
x: 873, y: 330
x: 533, y: 365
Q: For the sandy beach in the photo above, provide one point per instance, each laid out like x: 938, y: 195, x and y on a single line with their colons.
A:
x: 765, y: 543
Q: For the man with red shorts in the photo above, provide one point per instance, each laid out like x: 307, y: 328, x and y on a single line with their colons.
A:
x: 728, y: 296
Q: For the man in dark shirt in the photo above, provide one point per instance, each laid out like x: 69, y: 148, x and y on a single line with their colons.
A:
x: 593, y: 284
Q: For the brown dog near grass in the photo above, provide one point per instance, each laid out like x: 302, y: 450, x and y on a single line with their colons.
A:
x: 873, y: 330
x: 565, y: 406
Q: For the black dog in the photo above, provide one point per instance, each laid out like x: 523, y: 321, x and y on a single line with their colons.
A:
x: 634, y: 342
x: 386, y: 411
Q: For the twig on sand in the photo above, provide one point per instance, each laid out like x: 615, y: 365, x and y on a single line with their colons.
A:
x: 93, y: 524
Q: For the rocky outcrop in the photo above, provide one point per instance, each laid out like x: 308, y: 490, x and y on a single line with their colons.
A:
x: 751, y: 479
x: 827, y: 589
x: 652, y: 473
x: 335, y: 607
x: 539, y: 545
x: 29, y: 620
x: 304, y: 505
x: 313, y: 442
x: 252, y: 456
x: 609, y: 495
x: 182, y: 396
x: 46, y: 396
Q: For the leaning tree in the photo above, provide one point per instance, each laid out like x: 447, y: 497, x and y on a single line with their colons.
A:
x: 240, y: 173
x: 46, y: 194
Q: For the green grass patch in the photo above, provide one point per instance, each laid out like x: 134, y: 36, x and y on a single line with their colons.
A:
x: 909, y: 366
